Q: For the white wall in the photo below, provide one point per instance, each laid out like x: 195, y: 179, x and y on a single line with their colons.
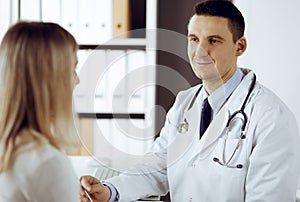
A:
x: 273, y: 33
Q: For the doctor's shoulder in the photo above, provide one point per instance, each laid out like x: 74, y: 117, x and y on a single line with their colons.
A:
x: 267, y: 99
x: 268, y: 109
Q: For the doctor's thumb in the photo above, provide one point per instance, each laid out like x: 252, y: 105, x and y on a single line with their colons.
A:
x: 86, y: 182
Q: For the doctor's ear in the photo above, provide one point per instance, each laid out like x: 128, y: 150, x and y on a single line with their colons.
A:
x: 241, y: 46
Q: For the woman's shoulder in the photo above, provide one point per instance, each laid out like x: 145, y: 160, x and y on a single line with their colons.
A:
x: 40, y: 168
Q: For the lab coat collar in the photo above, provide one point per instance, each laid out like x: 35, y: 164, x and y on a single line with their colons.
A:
x: 238, y: 96
x: 221, y: 94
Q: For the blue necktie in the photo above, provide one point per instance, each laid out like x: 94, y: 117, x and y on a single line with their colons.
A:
x: 205, y: 117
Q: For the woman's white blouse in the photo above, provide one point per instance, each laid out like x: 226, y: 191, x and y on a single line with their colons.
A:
x: 44, y: 174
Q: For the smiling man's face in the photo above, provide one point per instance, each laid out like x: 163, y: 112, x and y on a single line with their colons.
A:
x: 211, y: 49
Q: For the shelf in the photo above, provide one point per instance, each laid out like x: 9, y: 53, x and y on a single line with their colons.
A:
x: 128, y: 43
x: 112, y: 115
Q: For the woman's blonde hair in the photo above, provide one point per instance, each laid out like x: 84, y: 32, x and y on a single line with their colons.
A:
x: 37, y: 64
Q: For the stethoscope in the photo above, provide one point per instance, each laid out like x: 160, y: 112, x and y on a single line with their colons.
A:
x: 184, y: 126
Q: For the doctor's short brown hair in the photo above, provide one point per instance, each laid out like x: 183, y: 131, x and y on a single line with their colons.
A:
x: 225, y: 9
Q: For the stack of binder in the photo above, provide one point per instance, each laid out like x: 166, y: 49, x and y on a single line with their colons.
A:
x: 121, y: 18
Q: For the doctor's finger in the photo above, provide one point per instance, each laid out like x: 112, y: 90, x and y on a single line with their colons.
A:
x: 82, y: 197
x: 97, y: 188
x: 100, y: 193
x: 82, y: 193
x: 87, y: 181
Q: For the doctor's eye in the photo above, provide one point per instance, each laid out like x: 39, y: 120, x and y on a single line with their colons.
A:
x: 193, y: 39
x: 215, y: 40
x: 212, y: 41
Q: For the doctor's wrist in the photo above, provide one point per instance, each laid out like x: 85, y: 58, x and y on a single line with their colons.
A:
x: 113, y: 191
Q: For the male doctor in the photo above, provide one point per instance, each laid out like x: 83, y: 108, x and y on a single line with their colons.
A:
x: 228, y: 139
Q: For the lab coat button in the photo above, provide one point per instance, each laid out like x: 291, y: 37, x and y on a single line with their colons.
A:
x: 190, y: 199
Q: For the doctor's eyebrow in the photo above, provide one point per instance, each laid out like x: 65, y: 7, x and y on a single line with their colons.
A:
x: 216, y: 37
x: 192, y: 36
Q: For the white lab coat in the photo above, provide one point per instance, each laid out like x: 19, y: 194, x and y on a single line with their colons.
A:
x: 183, y: 164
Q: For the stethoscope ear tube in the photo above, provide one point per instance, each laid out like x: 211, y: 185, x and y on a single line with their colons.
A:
x: 242, y: 136
x: 234, y: 114
x: 249, y: 92
x: 241, y: 111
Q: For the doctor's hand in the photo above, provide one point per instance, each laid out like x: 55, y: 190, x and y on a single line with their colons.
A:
x: 97, y: 191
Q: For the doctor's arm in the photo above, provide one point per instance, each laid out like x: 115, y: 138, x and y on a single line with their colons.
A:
x: 151, y: 174
x: 274, y: 161
x: 149, y: 177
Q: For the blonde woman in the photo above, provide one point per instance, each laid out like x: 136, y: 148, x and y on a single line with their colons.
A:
x: 37, y: 76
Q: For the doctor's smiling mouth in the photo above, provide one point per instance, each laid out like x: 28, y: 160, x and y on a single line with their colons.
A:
x: 202, y: 63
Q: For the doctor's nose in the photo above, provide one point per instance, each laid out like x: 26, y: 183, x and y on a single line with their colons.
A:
x: 201, y: 50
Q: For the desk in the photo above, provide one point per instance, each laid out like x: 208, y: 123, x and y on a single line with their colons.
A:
x: 298, y: 194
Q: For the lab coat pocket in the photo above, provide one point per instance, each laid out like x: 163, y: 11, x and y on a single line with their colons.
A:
x: 230, y: 152
x: 229, y: 172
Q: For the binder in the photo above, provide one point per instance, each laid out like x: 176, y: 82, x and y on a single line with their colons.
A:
x: 5, y: 9
x: 96, y: 68
x: 30, y: 10
x: 81, y: 89
x: 95, y: 21
x: 121, y: 18
x: 88, y: 98
x: 105, y: 24
x: 87, y: 136
x: 51, y: 11
x: 85, y: 21
x: 138, y: 18
x: 115, y: 72
x: 137, y: 82
x: 70, y: 15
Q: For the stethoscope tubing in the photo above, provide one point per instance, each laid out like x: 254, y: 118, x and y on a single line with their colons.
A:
x: 245, y: 121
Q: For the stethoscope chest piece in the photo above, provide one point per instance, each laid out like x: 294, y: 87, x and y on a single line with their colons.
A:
x: 183, y: 127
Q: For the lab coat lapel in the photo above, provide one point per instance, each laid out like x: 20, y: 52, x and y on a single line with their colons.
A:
x: 193, y: 118
x: 184, y: 141
x: 218, y: 124
x: 233, y: 104
x: 214, y: 130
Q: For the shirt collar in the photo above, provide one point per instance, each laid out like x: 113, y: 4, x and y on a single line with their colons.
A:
x: 221, y: 94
